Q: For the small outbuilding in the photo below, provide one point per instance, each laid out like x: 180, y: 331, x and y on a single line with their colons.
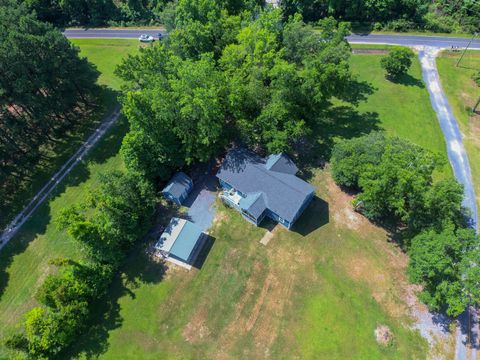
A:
x: 178, y: 188
x: 181, y: 242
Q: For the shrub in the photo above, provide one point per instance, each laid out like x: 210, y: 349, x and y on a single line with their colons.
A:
x: 476, y: 78
x: 400, y: 25
x: 397, y: 62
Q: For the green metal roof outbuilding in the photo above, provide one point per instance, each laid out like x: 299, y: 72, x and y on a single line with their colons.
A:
x: 181, y: 241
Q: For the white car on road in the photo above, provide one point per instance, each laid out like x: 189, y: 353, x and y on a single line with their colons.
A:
x: 146, y: 38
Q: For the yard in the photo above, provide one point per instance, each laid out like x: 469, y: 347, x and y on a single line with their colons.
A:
x: 24, y: 261
x: 316, y: 293
x: 462, y: 94
x: 300, y: 296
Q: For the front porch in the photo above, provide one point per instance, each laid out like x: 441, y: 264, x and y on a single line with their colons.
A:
x: 233, y: 199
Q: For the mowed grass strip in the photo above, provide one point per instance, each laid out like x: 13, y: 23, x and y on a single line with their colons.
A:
x: 462, y: 94
x: 24, y: 262
x: 106, y: 54
x: 403, y: 107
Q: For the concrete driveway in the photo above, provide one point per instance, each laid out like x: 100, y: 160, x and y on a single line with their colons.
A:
x: 200, y: 202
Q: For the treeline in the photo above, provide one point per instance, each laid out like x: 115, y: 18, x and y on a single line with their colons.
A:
x: 105, y: 226
x: 45, y: 91
x: 222, y: 77
x: 112, y: 12
x: 394, y: 180
x: 397, y: 15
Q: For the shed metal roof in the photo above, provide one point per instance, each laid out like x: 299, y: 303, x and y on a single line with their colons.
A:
x: 179, y: 184
x: 179, y: 238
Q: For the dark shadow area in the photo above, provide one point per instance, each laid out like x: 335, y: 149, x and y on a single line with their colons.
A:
x: 106, y: 148
x: 203, y: 177
x: 268, y: 224
x: 358, y: 91
x: 407, y: 80
x: 337, y: 122
x: 315, y: 216
x: 140, y: 268
x: 203, y: 254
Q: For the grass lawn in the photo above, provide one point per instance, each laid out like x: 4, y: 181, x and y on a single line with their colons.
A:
x: 462, y: 94
x: 318, y: 293
x: 313, y: 296
x: 24, y: 261
x: 106, y: 54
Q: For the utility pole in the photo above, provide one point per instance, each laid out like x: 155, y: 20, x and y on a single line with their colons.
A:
x: 464, y: 51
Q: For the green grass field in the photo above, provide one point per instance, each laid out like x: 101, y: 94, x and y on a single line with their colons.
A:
x: 24, y: 261
x: 316, y: 295
x: 313, y: 296
x: 462, y: 94
x: 106, y: 54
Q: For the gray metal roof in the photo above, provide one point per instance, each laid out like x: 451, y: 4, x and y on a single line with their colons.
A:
x: 281, y: 163
x: 179, y: 184
x: 282, y: 193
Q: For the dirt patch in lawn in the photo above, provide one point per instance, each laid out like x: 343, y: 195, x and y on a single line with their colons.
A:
x: 267, y: 297
x: 342, y: 210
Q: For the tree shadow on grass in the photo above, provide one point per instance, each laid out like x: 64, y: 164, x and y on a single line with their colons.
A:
x: 337, y: 122
x: 140, y: 268
x: 407, y: 80
x: 37, y: 225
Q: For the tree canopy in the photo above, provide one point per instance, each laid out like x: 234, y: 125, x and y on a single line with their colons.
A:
x: 446, y: 264
x: 397, y: 62
x: 264, y: 84
x: 395, y: 181
x: 46, y: 90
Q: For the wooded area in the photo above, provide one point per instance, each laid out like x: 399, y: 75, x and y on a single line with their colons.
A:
x: 402, y: 15
x: 46, y: 91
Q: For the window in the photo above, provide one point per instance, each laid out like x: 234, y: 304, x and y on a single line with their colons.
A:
x: 280, y: 220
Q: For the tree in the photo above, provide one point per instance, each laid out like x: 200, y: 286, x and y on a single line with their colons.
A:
x: 46, y: 89
x: 179, y: 115
x: 445, y: 264
x: 397, y: 62
x: 395, y: 181
x: 118, y: 213
x: 282, y: 76
x: 49, y: 332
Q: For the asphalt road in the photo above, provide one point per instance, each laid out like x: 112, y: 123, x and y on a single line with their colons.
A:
x: 111, y: 33
x: 407, y: 40
x: 414, y: 40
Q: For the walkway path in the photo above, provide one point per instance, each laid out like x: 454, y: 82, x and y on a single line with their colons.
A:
x: 461, y: 169
x: 66, y: 169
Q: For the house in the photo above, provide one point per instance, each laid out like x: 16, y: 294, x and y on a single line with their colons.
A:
x: 263, y: 187
x: 178, y: 188
x: 181, y: 242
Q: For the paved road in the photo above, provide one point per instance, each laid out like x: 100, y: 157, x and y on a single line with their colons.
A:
x: 413, y: 40
x: 459, y: 161
x: 407, y: 40
x: 57, y: 178
x: 110, y: 33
